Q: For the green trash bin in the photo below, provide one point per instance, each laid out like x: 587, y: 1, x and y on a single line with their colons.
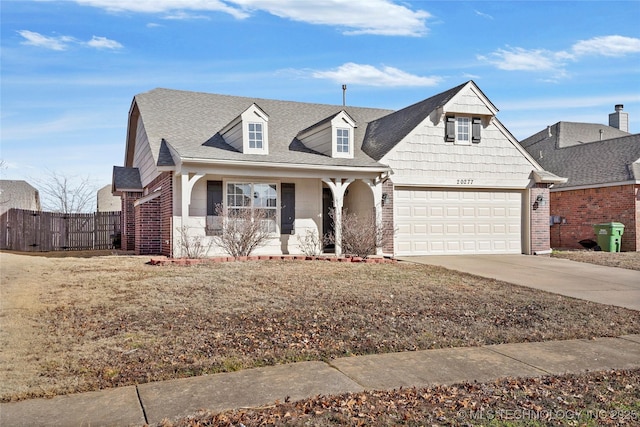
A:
x: 609, y: 235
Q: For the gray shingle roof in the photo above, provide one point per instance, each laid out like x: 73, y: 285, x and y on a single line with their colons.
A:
x: 566, y: 134
x: 126, y: 179
x: 384, y: 133
x: 190, y: 122
x: 592, y: 163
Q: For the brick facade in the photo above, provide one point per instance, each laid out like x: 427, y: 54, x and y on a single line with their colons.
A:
x: 387, y: 217
x: 580, y: 209
x: 147, y: 227
x: 540, y: 240
x: 127, y: 219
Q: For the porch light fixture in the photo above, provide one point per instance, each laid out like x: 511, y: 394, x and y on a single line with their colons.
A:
x: 385, y: 196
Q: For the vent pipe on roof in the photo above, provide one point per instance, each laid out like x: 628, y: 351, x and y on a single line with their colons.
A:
x: 344, y: 95
x: 619, y: 119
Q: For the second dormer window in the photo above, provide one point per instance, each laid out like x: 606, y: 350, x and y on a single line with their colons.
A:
x: 255, y: 136
x: 342, y: 140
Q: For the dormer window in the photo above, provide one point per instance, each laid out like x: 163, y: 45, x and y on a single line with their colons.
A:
x: 332, y: 136
x: 342, y: 140
x: 249, y: 132
x: 255, y: 136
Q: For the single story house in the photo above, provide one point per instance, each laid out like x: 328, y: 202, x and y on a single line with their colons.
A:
x: 441, y: 176
x: 602, y: 164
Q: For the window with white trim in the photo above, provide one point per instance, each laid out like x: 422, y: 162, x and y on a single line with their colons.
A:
x: 254, y: 197
x: 463, y: 130
x: 342, y: 140
x: 255, y: 136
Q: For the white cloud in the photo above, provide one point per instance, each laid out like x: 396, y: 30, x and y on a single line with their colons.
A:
x: 484, y: 15
x: 103, y: 43
x: 36, y: 39
x: 63, y: 42
x: 542, y: 60
x: 607, y: 46
x: 382, y: 17
x: 369, y: 75
x: 165, y: 6
x: 519, y: 59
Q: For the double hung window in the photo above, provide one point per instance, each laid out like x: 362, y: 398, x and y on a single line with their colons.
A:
x: 255, y: 136
x: 342, y: 140
x: 463, y: 130
x: 253, y: 200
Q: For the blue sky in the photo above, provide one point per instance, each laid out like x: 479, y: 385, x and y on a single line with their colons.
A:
x: 71, y: 68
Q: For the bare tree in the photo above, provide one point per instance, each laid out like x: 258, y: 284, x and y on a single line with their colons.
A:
x: 360, y: 235
x: 66, y: 194
x: 243, y: 230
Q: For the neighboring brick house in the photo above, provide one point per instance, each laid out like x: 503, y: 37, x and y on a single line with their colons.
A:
x: 602, y: 164
x: 444, y: 175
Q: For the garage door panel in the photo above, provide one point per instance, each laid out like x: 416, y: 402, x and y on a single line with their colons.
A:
x: 458, y: 221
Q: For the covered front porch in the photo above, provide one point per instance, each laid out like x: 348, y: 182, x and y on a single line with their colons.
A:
x: 297, y: 208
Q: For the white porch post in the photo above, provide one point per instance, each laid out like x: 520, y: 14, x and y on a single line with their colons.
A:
x: 186, y: 185
x: 338, y: 186
x: 376, y: 188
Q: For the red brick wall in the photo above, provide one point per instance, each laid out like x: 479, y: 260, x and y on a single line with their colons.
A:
x: 387, y: 217
x: 540, y: 240
x: 128, y: 220
x: 583, y: 208
x: 164, y: 184
x: 148, y: 226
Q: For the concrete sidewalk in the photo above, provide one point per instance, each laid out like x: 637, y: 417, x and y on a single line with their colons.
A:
x: 596, y: 283
x: 151, y: 403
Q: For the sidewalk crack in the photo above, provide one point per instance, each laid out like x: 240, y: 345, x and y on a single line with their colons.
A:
x: 518, y: 360
x: 144, y: 412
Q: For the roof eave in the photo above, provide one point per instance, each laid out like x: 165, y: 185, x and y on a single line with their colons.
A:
x: 271, y: 165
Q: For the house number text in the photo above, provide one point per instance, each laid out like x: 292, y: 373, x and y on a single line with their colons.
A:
x: 465, y: 181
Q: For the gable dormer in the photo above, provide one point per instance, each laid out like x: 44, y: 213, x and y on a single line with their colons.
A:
x: 249, y: 132
x: 332, y: 136
x: 466, y: 114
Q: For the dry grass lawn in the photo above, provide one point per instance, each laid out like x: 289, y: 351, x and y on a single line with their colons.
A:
x: 78, y: 324
x: 628, y: 260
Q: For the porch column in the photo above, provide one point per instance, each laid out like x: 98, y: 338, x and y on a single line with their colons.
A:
x: 186, y: 185
x: 338, y: 186
x: 376, y: 188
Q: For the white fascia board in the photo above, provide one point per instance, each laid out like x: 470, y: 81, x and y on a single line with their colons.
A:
x: 586, y: 187
x: 190, y: 163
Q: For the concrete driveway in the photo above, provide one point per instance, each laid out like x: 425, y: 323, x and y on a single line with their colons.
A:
x: 605, y: 285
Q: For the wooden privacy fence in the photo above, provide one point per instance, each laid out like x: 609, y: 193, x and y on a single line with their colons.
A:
x: 34, y: 231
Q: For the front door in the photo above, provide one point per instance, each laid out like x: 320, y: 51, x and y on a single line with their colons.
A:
x: 327, y: 221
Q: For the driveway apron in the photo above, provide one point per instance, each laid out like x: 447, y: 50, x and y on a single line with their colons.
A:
x: 596, y: 283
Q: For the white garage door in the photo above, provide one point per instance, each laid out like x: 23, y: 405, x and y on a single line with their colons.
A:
x: 433, y: 222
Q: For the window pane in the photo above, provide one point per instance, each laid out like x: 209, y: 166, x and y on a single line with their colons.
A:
x: 463, y: 128
x: 255, y: 135
x: 342, y: 141
x: 264, y: 195
x: 238, y: 195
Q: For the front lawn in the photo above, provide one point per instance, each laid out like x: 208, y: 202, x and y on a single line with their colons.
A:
x: 78, y: 324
